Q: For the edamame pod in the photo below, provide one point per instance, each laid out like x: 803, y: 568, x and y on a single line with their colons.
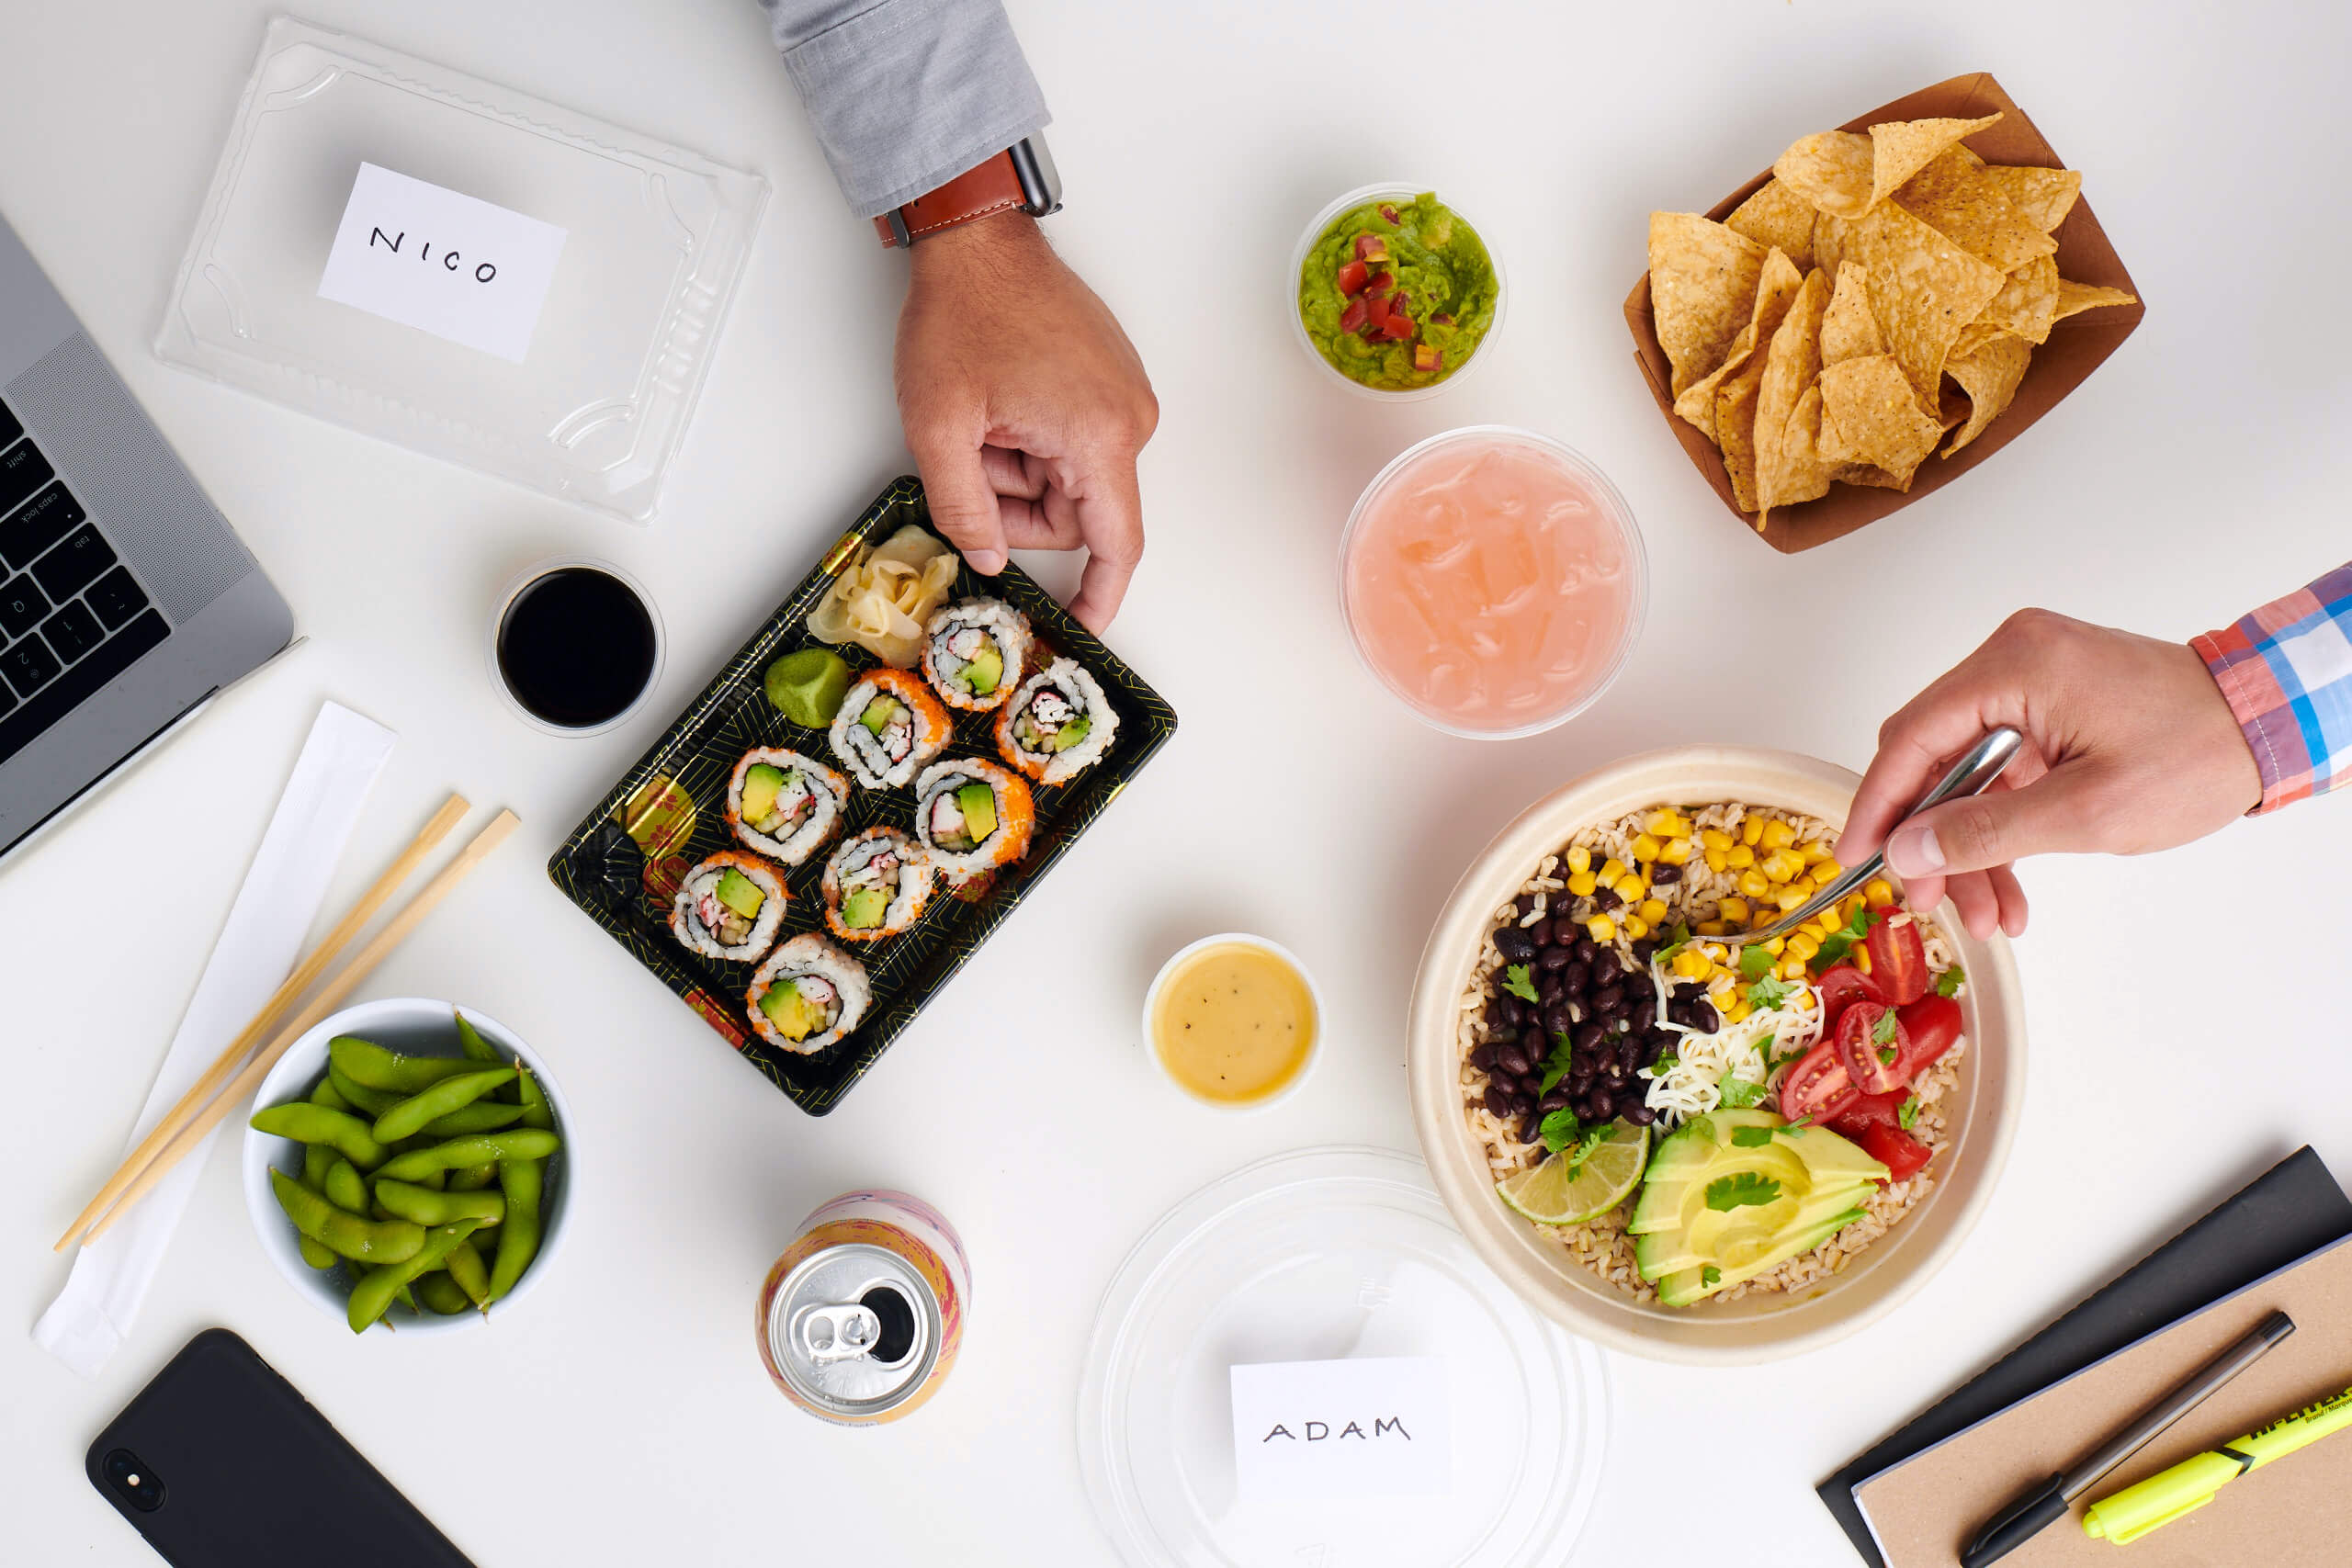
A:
x: 315, y: 1159
x: 379, y: 1290
x: 469, y: 1041
x: 451, y: 1094
x: 427, y: 1207
x: 439, y: 1293
x: 361, y: 1099
x: 324, y: 1093
x: 308, y: 1123
x: 472, y: 1179
x: 470, y: 1273
x: 342, y: 1232
x: 481, y: 1116
x: 345, y: 1187
x: 515, y: 1144
x: 535, y: 1110
x: 522, y: 1182
x: 364, y: 1062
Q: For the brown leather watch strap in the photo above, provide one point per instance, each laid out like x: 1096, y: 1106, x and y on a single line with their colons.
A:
x: 992, y: 186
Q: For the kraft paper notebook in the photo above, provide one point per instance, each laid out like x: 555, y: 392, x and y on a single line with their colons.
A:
x: 2291, y: 1210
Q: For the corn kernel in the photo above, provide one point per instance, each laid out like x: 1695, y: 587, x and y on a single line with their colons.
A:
x: 1581, y: 884
x: 1862, y: 959
x: 1653, y: 910
x: 1880, y: 892
x: 1630, y: 888
x: 1804, y: 1000
x: 1751, y: 831
x: 1722, y: 985
x: 1610, y: 870
x: 1739, y: 857
x: 1715, y: 838
x: 1665, y: 823
x: 1739, y: 1011
x: 1826, y: 871
x: 1802, y: 945
x: 1602, y: 929
x: 1712, y: 928
x: 1783, y: 866
x: 1792, y: 969
x: 1637, y: 928
x: 1790, y: 899
x: 1716, y: 861
x: 1675, y: 851
x: 1579, y: 858
x: 1854, y: 905
x: 1776, y: 947
x: 1815, y: 853
x: 1752, y: 883
x: 1735, y: 908
x: 1804, y: 884
x: 1690, y: 964
x: 1717, y: 952
x: 1779, y: 835
x: 1645, y: 848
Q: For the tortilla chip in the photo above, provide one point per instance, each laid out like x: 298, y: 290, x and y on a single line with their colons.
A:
x: 1829, y: 241
x: 1702, y: 282
x: 2044, y: 196
x: 1774, y: 288
x: 2076, y: 297
x: 1736, y: 399
x: 1801, y: 473
x: 1872, y: 475
x: 1791, y: 364
x: 1900, y: 149
x: 1849, y: 330
x: 2025, y: 306
x: 1831, y: 169
x: 1991, y: 374
x: 1923, y: 289
x: 1777, y: 218
x: 1953, y: 196
x: 1872, y: 415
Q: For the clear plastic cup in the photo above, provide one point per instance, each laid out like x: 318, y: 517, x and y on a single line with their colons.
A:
x: 1611, y: 503
x: 1323, y: 220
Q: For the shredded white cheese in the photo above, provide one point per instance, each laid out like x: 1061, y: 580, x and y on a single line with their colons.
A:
x: 1759, y: 1048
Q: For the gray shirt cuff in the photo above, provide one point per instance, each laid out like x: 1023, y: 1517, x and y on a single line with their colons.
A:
x: 905, y: 94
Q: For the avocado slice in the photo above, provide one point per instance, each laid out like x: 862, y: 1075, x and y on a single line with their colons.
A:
x: 795, y: 1017
x: 1687, y: 1285
x: 978, y: 803
x: 984, y: 672
x: 1071, y: 734
x: 761, y: 784
x: 879, y: 713
x: 1737, y: 1191
x: 863, y: 910
x: 740, y: 892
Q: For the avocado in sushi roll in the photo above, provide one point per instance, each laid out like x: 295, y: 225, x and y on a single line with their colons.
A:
x: 785, y: 805
x: 807, y: 996
x: 875, y: 885
x: 889, y: 724
x: 973, y: 817
x: 729, y: 908
x: 1058, y: 723
x: 973, y: 653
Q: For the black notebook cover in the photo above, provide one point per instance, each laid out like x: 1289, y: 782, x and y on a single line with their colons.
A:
x: 2292, y: 1209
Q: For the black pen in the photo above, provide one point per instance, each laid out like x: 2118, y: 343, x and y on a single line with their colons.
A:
x: 2021, y: 1520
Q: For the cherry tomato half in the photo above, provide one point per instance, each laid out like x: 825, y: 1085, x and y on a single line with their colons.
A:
x: 1817, y: 1089
x: 1842, y: 986
x: 1871, y: 1063
x: 1929, y: 1026
x: 1871, y: 1110
x: 1902, y: 1153
x: 1898, y: 958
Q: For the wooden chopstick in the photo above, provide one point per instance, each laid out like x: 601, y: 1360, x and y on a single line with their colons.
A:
x: 331, y: 996
x: 305, y: 975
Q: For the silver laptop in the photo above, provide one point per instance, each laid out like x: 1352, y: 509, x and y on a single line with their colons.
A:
x: 125, y: 599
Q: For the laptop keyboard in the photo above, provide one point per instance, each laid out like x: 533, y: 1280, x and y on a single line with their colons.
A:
x: 71, y: 617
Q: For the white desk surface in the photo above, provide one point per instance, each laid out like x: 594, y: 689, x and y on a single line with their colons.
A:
x: 2185, y: 1010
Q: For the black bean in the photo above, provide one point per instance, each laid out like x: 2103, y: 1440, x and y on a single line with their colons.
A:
x: 1592, y: 1106
x: 1580, y: 1079
x: 1611, y: 899
x: 1521, y: 1102
x: 1704, y: 1018
x: 1531, y: 1083
x: 1606, y: 998
x: 1483, y: 1058
x: 1589, y: 1035
x: 1644, y: 951
x: 1629, y: 1053
x: 1665, y: 876
x: 1512, y: 1059
x: 1578, y: 973
x: 1615, y: 1076
x: 1653, y: 1045
x: 1557, y: 1020
x: 1541, y: 932
x: 1554, y: 1098
x: 1514, y: 943
x: 1499, y: 1032
x: 1520, y: 1012
x: 1638, y: 1114
x: 1499, y: 1098
x: 1556, y: 959
x: 1640, y: 987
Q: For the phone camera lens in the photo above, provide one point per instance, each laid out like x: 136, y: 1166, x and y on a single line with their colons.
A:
x: 130, y: 1477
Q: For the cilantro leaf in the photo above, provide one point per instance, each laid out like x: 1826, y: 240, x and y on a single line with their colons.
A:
x: 1740, y: 1190
x: 1839, y: 943
x: 1750, y: 1137
x: 1592, y: 1139
x: 1556, y: 1065
x: 1739, y: 1094
x: 1560, y: 1129
x: 1798, y: 1125
x: 1664, y: 1066
x: 1908, y: 1114
x: 1516, y: 982
x: 1766, y: 995
x: 1755, y: 963
x: 1710, y: 1275
x: 1681, y: 939
x: 1702, y: 1127
x: 1949, y: 983
x: 1883, y: 1031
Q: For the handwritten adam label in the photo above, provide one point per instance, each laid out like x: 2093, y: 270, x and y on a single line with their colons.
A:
x: 1351, y: 1429
x: 466, y: 270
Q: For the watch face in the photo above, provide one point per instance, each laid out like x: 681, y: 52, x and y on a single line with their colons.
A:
x: 1040, y: 183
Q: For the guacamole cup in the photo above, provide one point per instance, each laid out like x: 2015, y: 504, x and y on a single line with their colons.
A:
x: 1455, y: 330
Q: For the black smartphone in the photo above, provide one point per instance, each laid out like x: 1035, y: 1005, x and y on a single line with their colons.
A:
x: 222, y: 1463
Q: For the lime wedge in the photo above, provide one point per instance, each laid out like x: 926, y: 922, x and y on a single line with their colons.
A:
x: 1553, y: 1194
x: 807, y: 687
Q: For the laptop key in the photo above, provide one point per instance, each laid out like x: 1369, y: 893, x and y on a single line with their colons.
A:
x: 9, y: 428
x: 45, y: 519
x: 29, y: 666
x: 74, y: 564
x: 72, y: 632
x: 22, y: 605
x: 115, y: 597
x: 117, y: 654
x: 22, y: 471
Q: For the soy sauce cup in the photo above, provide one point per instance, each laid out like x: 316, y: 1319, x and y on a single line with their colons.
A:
x: 575, y: 645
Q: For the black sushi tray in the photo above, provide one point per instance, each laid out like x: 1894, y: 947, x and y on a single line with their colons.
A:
x: 667, y: 813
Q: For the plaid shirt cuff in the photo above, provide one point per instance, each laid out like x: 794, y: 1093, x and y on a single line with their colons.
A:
x: 2286, y: 670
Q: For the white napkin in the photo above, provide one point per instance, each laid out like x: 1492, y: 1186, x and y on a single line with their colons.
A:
x: 258, y: 946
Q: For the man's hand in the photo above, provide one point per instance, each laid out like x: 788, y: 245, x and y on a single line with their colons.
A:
x: 1024, y: 405
x: 2129, y: 748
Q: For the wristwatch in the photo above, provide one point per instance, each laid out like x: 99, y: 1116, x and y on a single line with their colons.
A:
x: 1022, y: 176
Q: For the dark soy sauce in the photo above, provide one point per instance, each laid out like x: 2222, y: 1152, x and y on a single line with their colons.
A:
x: 576, y: 647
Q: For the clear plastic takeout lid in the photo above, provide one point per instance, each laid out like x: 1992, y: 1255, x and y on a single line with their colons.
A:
x: 1322, y: 1255
x: 654, y: 243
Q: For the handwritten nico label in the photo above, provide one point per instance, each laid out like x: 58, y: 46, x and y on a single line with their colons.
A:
x: 469, y: 271
x: 1377, y: 1426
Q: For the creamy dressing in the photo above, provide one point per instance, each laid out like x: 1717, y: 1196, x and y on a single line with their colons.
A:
x: 1235, y: 1023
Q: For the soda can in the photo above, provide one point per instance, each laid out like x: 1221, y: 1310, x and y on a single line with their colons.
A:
x: 860, y: 1319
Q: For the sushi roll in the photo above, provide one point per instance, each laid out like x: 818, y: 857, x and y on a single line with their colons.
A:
x: 973, y: 653
x: 973, y: 817
x: 808, y: 995
x: 889, y: 726
x: 1057, y: 725
x: 785, y: 805
x: 875, y: 884
x: 729, y: 906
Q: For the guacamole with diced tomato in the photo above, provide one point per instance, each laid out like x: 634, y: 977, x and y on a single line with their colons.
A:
x: 1398, y: 295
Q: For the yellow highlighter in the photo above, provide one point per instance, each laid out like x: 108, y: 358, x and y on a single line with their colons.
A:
x: 2190, y: 1484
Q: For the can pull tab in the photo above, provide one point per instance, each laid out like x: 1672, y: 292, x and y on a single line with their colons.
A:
x: 838, y: 1332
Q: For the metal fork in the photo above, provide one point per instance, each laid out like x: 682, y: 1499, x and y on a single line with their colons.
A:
x: 1977, y: 768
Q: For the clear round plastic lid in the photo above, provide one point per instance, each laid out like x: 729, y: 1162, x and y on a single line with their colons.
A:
x: 1323, y: 1255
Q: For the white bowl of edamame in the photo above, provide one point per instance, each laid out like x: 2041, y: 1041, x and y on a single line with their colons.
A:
x: 411, y: 1044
